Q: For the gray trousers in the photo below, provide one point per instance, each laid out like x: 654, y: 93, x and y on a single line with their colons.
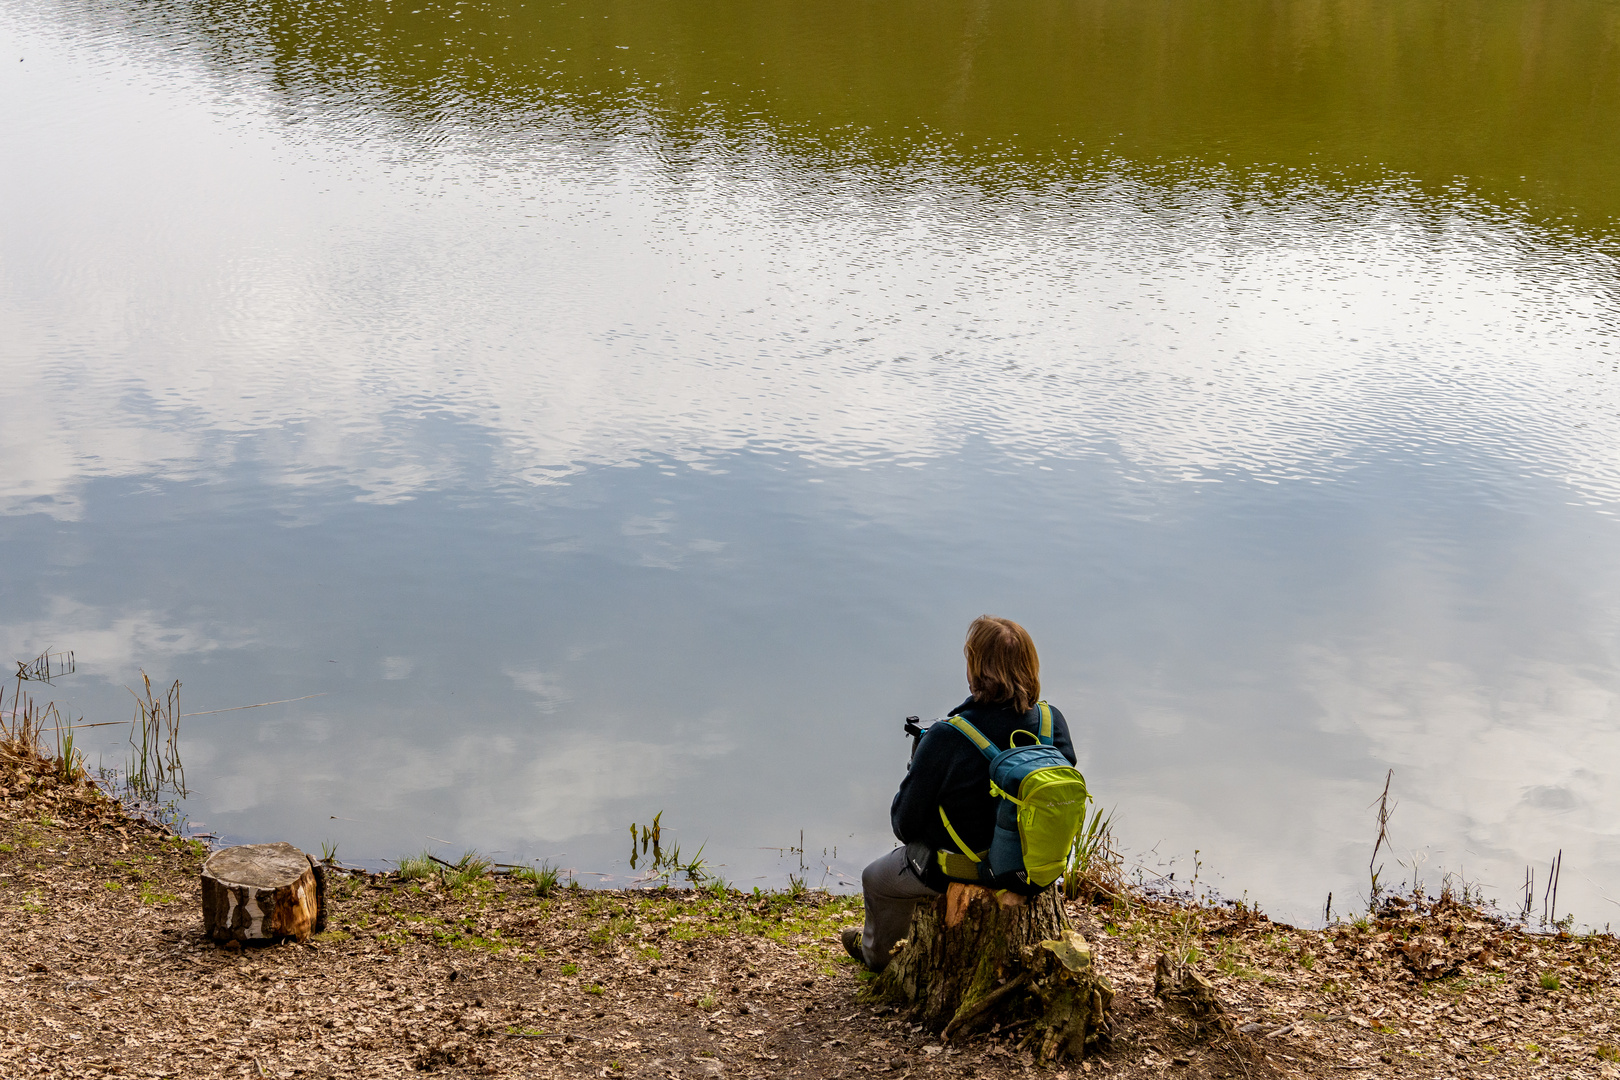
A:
x: 891, y: 892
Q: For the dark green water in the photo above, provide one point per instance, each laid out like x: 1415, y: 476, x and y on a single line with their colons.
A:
x: 614, y: 408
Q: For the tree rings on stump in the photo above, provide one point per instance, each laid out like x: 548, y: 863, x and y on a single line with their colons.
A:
x: 975, y: 958
x: 262, y: 892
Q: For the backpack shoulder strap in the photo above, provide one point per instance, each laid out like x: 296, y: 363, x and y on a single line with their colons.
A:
x: 974, y: 735
x: 1043, y: 726
x: 961, y: 845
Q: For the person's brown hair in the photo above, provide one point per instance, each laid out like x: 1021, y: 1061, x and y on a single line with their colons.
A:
x: 1002, y: 664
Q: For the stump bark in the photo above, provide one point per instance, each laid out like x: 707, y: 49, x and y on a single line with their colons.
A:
x: 262, y: 892
x: 975, y: 959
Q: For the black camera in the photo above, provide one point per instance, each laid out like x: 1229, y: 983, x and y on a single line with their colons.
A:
x: 914, y: 728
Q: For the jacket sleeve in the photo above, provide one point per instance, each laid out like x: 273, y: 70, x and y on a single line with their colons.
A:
x: 916, y: 804
x: 1061, y: 739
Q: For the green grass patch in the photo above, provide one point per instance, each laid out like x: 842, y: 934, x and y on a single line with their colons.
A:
x: 417, y: 917
x: 1229, y: 960
x: 543, y: 879
x: 467, y: 871
x: 416, y: 867
x: 617, y: 926
x: 454, y: 939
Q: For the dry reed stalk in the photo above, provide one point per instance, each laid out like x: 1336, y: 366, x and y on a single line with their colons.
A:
x: 1373, y: 870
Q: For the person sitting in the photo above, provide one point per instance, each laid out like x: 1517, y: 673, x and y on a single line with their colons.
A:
x: 947, y: 787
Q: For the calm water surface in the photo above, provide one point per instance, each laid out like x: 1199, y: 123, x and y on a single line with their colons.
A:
x: 614, y: 408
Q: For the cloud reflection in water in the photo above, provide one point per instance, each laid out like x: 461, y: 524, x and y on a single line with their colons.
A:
x: 591, y: 484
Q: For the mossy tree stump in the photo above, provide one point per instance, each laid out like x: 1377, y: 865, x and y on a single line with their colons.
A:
x: 262, y: 892
x: 975, y: 958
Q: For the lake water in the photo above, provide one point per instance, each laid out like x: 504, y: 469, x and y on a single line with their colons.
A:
x: 615, y: 408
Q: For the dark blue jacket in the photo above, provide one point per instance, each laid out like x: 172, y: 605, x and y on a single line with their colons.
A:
x: 949, y: 771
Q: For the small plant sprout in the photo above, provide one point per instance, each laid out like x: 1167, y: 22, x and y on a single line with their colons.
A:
x: 69, y: 759
x: 695, y: 869
x: 1418, y: 859
x: 328, y: 853
x: 1549, y: 981
x: 1185, y: 931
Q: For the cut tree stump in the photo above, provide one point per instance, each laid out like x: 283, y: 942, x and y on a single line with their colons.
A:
x: 1190, y: 996
x: 1193, y: 1007
x: 263, y: 892
x: 975, y: 958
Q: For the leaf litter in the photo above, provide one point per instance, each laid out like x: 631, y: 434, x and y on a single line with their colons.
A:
x: 105, y: 972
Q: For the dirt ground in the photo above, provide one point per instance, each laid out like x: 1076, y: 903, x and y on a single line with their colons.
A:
x: 104, y: 971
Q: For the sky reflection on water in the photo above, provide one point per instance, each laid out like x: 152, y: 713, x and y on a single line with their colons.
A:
x: 586, y: 484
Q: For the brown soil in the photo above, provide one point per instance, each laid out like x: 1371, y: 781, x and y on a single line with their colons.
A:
x: 104, y: 971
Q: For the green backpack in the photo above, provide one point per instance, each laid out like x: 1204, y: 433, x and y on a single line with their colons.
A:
x: 1043, y: 809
